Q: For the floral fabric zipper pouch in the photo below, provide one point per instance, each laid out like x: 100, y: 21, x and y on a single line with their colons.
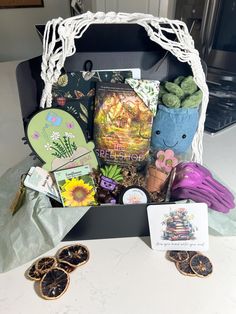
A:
x: 75, y: 92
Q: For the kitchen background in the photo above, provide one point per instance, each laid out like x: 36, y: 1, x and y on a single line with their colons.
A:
x: 212, y: 24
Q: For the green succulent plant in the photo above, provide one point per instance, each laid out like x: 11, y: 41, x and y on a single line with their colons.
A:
x: 183, y: 92
x: 162, y: 91
x: 171, y: 100
x: 113, y: 172
x: 174, y: 89
x: 188, y: 85
x: 178, y: 80
x: 193, y: 100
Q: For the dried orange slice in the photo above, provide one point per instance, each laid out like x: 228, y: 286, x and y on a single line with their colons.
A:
x: 177, y: 256
x: 74, y: 255
x: 34, y: 274
x: 68, y: 268
x: 54, y: 283
x: 201, y: 265
x: 184, y: 268
x: 45, y: 263
x: 191, y: 254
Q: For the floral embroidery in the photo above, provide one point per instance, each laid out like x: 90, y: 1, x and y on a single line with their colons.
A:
x: 69, y: 135
x: 48, y: 146
x: 54, y: 119
x: 36, y: 135
x: 70, y: 125
x: 55, y: 136
x: 63, y: 147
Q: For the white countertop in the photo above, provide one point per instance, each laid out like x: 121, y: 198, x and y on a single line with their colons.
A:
x: 125, y: 276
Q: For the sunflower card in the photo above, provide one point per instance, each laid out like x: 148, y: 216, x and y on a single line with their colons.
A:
x: 76, y: 186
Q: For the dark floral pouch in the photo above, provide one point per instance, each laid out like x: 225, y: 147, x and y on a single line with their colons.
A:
x: 75, y: 93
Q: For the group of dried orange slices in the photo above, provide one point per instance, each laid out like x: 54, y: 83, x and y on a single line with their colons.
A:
x: 52, y: 273
x: 191, y: 263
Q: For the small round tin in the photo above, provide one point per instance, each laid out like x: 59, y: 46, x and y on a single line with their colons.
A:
x: 134, y: 195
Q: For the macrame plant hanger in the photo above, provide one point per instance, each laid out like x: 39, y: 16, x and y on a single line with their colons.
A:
x: 59, y: 43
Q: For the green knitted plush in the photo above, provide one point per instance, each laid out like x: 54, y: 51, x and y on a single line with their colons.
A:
x: 183, y: 92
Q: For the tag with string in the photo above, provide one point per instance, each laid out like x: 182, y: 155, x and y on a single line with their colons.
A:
x: 19, y: 198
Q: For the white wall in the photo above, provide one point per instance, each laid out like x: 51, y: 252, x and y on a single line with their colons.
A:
x: 126, y: 6
x: 163, y: 8
x: 18, y: 37
x: 19, y: 40
x: 11, y: 126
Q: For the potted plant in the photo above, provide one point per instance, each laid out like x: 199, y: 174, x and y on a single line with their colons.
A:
x: 176, y: 121
x: 158, y: 172
x: 109, y: 180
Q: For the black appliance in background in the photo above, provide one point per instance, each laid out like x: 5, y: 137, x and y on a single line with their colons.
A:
x: 213, y: 27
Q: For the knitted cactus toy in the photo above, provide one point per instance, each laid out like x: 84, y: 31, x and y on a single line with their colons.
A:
x: 183, y: 92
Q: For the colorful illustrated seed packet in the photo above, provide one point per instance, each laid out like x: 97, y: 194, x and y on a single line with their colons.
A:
x: 76, y: 186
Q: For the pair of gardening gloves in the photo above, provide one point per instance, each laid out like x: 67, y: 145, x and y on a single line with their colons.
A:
x: 195, y: 182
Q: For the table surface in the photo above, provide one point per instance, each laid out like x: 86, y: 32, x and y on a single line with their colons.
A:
x: 125, y: 275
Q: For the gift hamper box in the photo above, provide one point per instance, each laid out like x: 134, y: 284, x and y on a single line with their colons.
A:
x: 106, y: 47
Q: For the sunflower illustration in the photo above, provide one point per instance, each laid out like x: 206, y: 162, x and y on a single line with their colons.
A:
x: 76, y: 192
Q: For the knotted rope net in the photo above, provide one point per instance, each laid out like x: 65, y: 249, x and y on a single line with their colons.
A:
x: 59, y: 43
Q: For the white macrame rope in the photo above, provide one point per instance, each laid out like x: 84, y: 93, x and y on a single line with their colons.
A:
x: 64, y: 32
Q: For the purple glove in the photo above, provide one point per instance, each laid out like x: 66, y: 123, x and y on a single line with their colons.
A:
x: 203, y: 196
x: 191, y: 174
x: 195, y: 182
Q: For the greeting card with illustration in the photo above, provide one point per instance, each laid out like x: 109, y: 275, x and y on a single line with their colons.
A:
x: 182, y: 227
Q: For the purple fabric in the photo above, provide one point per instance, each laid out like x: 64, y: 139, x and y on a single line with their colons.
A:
x: 195, y: 182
